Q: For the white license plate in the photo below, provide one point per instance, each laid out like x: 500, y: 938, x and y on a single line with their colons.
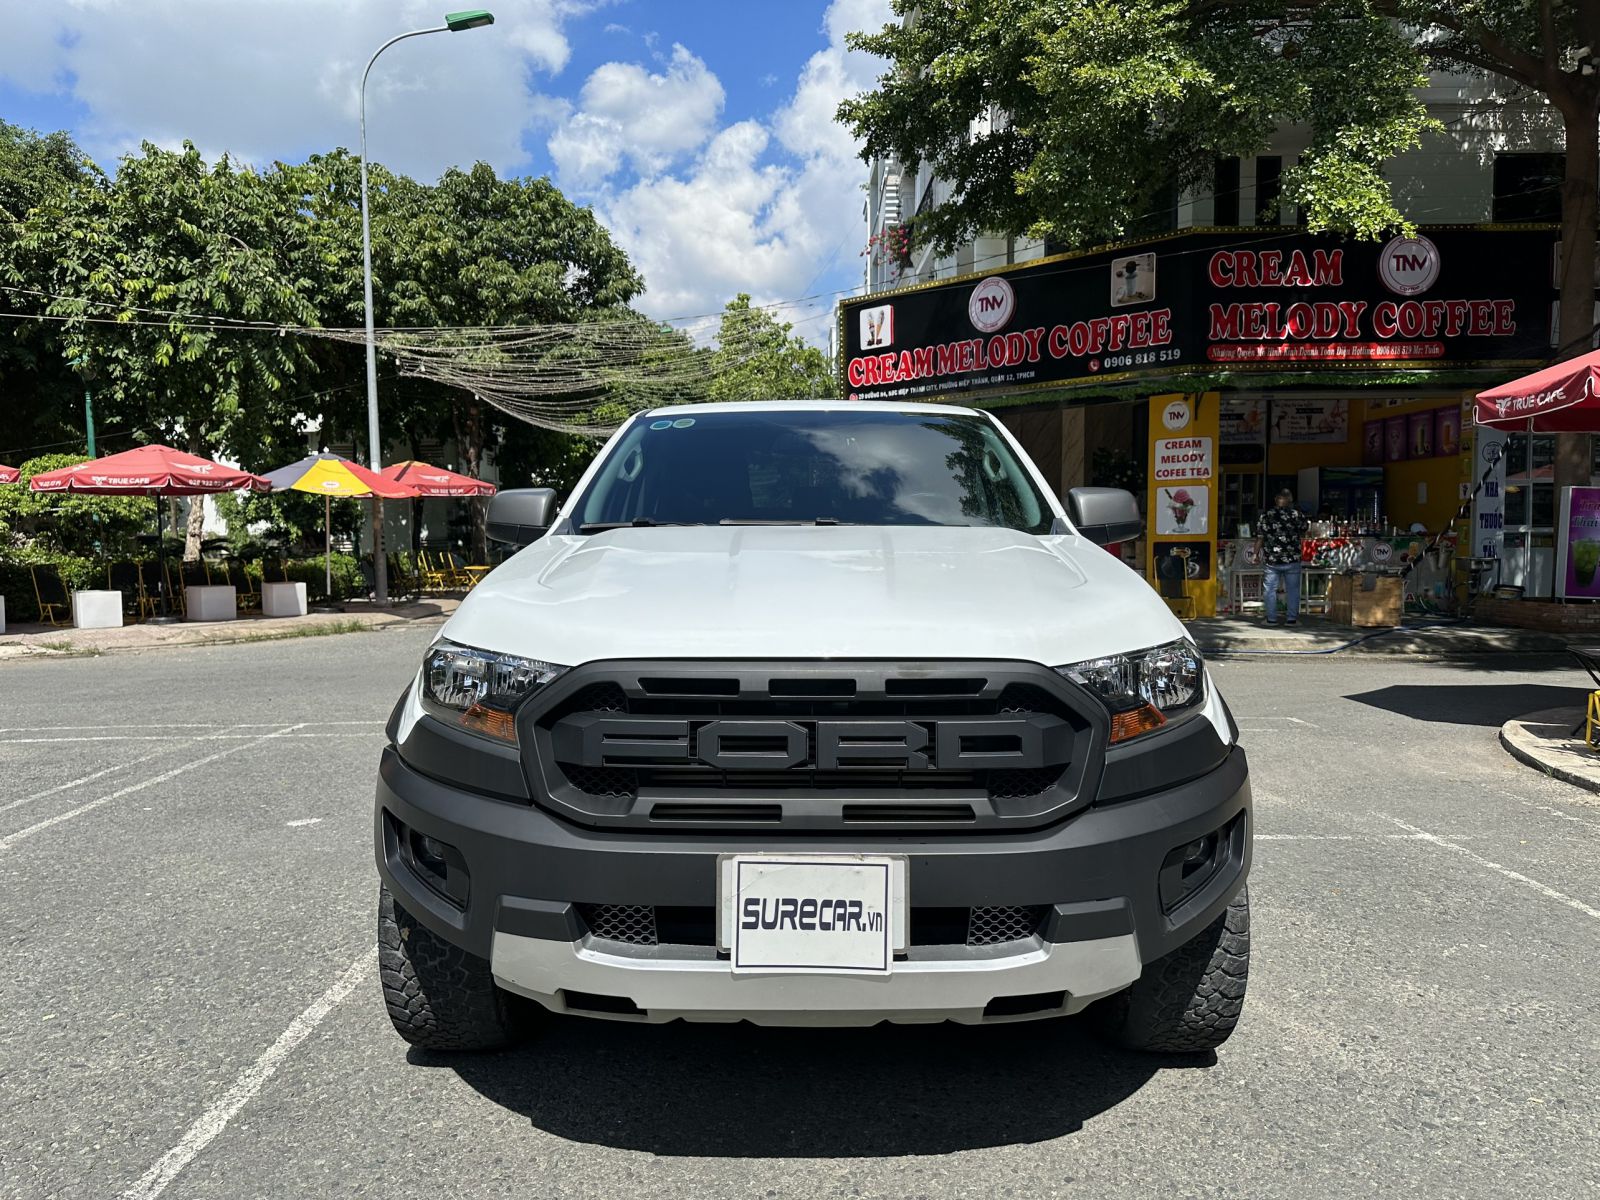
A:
x: 812, y: 913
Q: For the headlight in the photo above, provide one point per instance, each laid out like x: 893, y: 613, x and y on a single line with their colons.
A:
x: 479, y: 689
x: 1145, y: 689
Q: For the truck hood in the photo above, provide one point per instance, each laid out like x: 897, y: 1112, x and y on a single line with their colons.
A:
x: 812, y: 592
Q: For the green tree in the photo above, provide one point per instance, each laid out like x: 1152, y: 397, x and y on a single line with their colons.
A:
x: 1074, y: 119
x: 91, y: 526
x: 478, y: 250
x: 171, y: 234
x: 758, y: 358
x: 42, y: 399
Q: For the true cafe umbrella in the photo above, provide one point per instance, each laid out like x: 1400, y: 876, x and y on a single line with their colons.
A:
x: 1564, y: 398
x: 153, y: 471
x: 328, y: 475
x: 430, y: 480
x: 9, y: 474
x: 436, y: 481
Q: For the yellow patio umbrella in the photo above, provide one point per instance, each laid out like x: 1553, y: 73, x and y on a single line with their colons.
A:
x: 329, y: 475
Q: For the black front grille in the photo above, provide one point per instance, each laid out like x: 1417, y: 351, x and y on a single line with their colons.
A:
x: 812, y: 745
x: 643, y: 925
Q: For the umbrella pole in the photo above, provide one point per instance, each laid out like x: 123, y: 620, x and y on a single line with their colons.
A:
x: 161, y: 559
x: 327, y: 546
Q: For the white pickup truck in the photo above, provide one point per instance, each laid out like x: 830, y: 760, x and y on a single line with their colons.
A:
x: 813, y: 713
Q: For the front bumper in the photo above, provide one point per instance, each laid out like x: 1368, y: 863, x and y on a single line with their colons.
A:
x: 526, y: 872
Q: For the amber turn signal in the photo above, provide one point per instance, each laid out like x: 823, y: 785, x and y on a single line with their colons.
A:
x: 1125, y: 725
x: 491, y: 722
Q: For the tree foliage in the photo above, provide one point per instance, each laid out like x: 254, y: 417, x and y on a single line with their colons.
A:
x: 91, y: 526
x: 43, y: 397
x: 127, y: 267
x: 758, y: 358
x: 1073, y: 120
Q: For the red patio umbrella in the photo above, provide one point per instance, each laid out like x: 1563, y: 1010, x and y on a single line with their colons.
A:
x: 9, y: 474
x: 430, y: 480
x: 436, y: 481
x: 1564, y: 398
x: 153, y: 471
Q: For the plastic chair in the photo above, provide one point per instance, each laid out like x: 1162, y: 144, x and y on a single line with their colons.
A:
x: 247, y: 593
x: 127, y: 578
x: 51, y: 594
x: 435, y: 574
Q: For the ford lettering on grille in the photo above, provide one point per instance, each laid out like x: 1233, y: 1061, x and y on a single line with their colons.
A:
x: 1034, y: 740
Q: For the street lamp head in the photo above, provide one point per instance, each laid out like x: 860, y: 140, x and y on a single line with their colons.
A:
x: 472, y: 18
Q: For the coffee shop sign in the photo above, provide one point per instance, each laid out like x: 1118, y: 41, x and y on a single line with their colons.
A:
x: 1182, y: 458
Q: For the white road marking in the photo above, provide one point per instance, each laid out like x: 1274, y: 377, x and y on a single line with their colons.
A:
x: 169, y: 737
x: 1552, y: 810
x: 1338, y: 837
x: 12, y: 839
x: 169, y: 725
x: 215, y: 1119
x: 303, y: 821
x: 1542, y: 888
x: 83, y: 779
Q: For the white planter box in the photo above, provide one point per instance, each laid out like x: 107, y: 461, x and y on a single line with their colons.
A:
x: 211, y: 603
x: 283, y: 599
x: 97, y: 610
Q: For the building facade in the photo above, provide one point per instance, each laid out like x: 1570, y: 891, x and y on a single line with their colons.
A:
x: 1339, y: 369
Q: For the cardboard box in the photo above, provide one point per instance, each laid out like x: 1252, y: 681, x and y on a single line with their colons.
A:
x: 1366, y: 601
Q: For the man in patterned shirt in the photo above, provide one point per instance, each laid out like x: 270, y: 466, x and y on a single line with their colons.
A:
x: 1281, y: 530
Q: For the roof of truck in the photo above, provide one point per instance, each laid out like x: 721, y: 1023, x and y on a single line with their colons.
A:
x: 811, y: 405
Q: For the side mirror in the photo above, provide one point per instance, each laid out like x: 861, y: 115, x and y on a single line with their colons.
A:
x: 522, y: 515
x: 1105, y: 515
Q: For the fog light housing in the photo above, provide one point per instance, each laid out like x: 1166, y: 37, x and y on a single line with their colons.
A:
x: 439, y: 865
x: 1187, y: 869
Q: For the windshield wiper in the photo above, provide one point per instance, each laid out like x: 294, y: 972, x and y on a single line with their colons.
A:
x: 636, y: 523
x: 783, y: 521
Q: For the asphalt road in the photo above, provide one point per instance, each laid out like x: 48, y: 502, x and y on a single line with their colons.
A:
x: 190, y: 1005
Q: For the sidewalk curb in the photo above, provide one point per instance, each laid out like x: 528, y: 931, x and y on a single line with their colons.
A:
x: 1538, y: 752
x: 228, y: 634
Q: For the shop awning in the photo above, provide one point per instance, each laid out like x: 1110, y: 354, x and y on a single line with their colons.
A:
x: 1564, y: 398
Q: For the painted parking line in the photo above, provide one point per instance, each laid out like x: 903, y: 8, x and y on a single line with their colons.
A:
x: 170, y: 725
x: 1543, y: 889
x: 250, y: 1081
x: 83, y: 779
x: 170, y: 737
x: 6, y: 843
x: 1337, y: 837
x: 1553, y: 811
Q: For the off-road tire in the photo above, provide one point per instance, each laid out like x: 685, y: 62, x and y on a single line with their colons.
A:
x: 439, y: 996
x: 1188, y: 1001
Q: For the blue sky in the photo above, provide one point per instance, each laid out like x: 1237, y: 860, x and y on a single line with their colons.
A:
x: 700, y: 130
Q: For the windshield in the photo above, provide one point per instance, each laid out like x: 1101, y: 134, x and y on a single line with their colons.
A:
x: 828, y: 467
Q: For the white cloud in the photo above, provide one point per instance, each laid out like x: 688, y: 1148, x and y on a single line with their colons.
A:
x: 627, y: 112
x: 736, y: 220
x: 771, y: 207
x: 267, y: 79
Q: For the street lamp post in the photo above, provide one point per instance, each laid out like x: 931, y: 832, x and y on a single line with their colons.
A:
x: 453, y: 23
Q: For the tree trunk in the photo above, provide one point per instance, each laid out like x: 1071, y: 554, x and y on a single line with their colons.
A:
x: 197, y: 515
x: 1578, y: 213
x: 472, y: 434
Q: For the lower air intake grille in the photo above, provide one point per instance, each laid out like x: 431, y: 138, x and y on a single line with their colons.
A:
x: 631, y: 923
x: 644, y: 925
x: 990, y: 926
